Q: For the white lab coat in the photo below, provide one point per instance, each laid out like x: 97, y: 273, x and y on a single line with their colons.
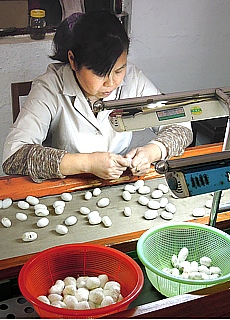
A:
x: 57, y: 111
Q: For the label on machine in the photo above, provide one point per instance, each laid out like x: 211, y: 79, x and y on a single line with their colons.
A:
x: 169, y: 114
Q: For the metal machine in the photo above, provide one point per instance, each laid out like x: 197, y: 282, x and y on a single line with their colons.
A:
x: 186, y: 176
x: 192, y: 176
x: 144, y: 112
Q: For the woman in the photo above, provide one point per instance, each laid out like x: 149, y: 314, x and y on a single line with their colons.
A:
x: 57, y: 134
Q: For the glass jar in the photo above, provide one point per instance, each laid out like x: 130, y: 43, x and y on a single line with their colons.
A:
x: 37, y: 24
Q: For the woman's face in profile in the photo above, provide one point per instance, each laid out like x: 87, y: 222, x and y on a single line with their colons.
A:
x: 97, y: 87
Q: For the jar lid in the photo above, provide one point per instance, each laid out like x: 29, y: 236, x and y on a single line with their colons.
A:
x: 37, y: 13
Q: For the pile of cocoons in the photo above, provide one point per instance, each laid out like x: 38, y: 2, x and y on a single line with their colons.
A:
x: 202, y: 270
x: 84, y: 292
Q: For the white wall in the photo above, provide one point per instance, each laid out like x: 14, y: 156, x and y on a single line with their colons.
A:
x: 179, y: 44
x: 21, y: 59
x: 182, y: 44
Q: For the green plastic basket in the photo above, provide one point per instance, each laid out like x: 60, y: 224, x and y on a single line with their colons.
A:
x: 157, y: 245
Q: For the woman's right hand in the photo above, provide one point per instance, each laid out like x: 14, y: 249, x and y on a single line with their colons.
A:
x: 107, y: 165
x: 104, y: 165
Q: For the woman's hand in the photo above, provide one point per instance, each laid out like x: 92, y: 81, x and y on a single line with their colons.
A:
x: 104, y: 165
x: 142, y: 157
x: 108, y: 165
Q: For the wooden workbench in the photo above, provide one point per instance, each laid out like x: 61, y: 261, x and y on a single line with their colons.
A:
x: 123, y: 236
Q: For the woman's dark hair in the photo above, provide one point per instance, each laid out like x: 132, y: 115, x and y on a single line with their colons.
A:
x: 97, y: 39
x: 62, y: 38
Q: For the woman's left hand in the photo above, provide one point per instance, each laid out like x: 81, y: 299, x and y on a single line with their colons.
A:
x: 141, y: 158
